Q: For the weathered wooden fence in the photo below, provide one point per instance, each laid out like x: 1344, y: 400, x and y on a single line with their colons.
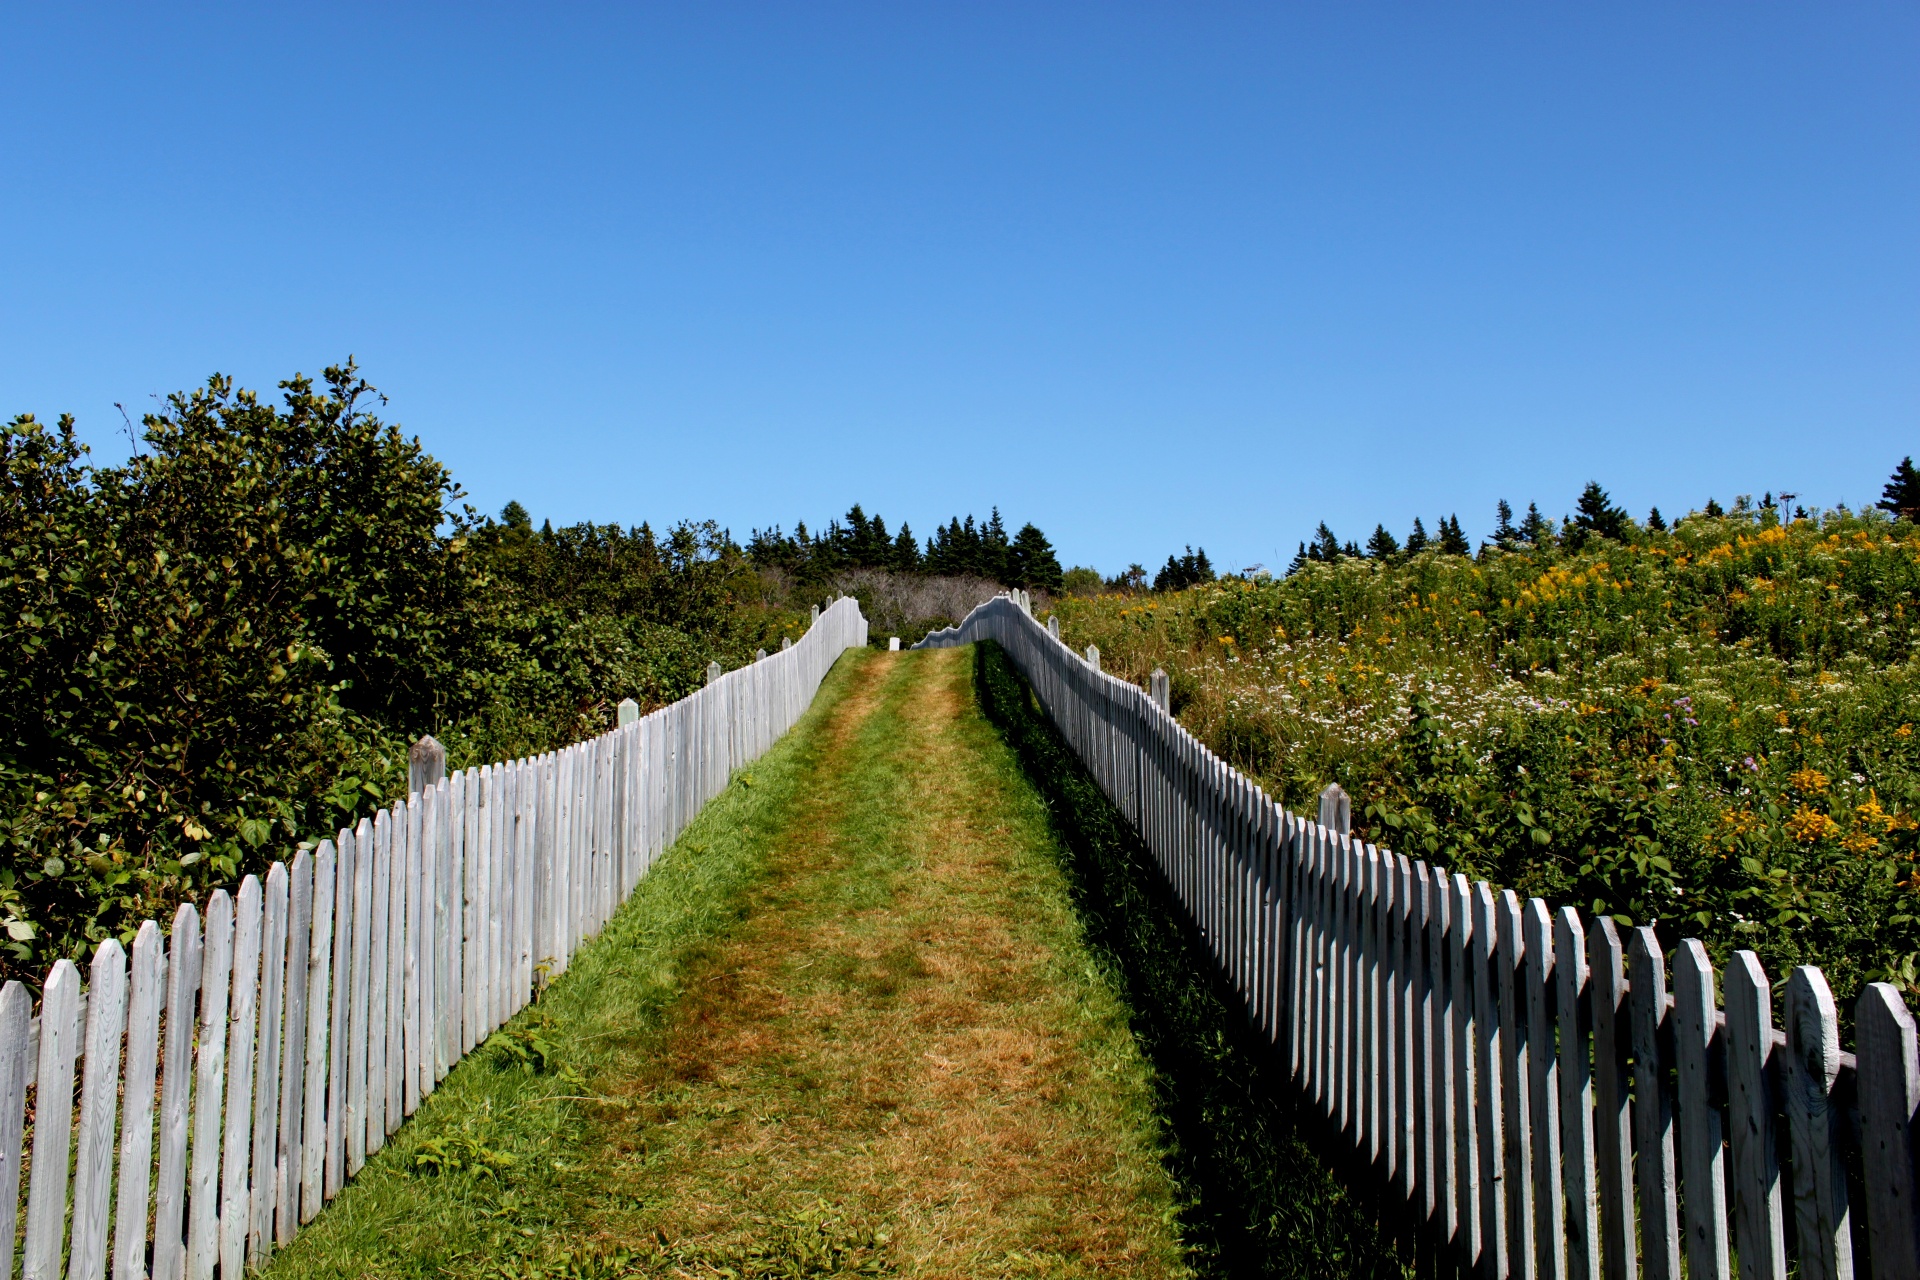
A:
x: 1549, y: 1098
x: 241, y: 1067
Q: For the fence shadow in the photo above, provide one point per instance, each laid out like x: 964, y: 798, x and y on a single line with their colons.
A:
x: 1258, y: 1201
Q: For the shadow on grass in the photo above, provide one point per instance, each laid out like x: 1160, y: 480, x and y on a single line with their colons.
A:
x: 1260, y: 1202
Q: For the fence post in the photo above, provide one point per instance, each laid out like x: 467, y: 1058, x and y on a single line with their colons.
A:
x: 426, y: 765
x: 816, y: 615
x: 1336, y: 810
x: 627, y: 712
x: 1159, y: 688
x: 1093, y: 656
x: 1053, y: 625
x: 713, y: 672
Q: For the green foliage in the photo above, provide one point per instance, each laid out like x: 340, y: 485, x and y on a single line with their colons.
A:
x: 225, y: 646
x: 1711, y: 729
x: 1259, y: 1200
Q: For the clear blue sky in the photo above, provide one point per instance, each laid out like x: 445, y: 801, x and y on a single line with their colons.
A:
x: 1145, y: 275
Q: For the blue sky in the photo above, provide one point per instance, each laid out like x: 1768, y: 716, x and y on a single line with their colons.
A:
x: 1145, y: 275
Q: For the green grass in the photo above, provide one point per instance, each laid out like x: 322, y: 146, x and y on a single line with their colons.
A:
x: 505, y: 1112
x: 850, y: 1025
x: 1259, y: 1200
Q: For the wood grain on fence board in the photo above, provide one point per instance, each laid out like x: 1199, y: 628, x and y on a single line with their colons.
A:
x: 1889, y: 1088
x: 1758, y: 1219
x: 1653, y: 1127
x: 145, y: 996
x: 209, y: 1088
x: 53, y: 1122
x: 1613, y: 1119
x: 1702, y: 1171
x: 1816, y: 1119
x: 99, y: 1099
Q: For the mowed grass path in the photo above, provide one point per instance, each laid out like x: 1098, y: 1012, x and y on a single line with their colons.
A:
x: 847, y: 1026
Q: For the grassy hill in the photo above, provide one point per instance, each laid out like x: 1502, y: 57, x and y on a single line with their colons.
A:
x: 1709, y: 728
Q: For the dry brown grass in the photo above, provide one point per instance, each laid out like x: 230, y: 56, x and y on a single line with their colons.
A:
x: 903, y: 1028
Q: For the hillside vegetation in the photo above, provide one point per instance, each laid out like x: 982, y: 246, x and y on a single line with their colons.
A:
x: 1710, y: 728
x: 223, y: 648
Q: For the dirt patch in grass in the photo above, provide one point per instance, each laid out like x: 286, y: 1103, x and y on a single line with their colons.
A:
x: 901, y: 1034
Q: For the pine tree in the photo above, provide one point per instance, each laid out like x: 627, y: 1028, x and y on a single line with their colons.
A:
x: 1452, y: 541
x: 1294, y: 566
x: 1504, y: 534
x: 1902, y: 493
x: 1655, y: 522
x: 1595, y: 514
x: 1417, y: 540
x: 1713, y: 509
x: 906, y: 550
x: 1382, y: 545
x: 1034, y: 565
x: 1326, y: 547
x: 1536, y: 528
x: 515, y: 516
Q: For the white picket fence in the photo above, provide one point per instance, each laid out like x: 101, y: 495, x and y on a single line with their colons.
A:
x: 1548, y: 1099
x: 218, y: 1111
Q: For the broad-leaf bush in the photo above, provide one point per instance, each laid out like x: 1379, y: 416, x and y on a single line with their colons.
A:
x: 222, y: 649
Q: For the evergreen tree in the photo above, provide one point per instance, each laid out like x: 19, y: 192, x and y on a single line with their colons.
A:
x: 515, y: 516
x: 1713, y: 509
x: 1655, y: 522
x: 1902, y: 493
x: 1536, y: 528
x: 1326, y: 547
x: 1294, y: 566
x: 1453, y: 542
x: 1504, y: 534
x: 906, y: 550
x: 1595, y: 514
x: 1382, y: 545
x: 1417, y: 540
x: 1035, y: 567
x: 1185, y: 571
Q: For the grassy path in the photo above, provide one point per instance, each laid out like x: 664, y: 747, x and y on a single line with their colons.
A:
x: 848, y: 1026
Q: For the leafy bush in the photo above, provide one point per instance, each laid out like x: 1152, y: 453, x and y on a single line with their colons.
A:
x: 226, y: 645
x: 1709, y: 729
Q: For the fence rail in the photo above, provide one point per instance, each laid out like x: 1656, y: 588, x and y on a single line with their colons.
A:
x: 238, y: 1070
x: 1552, y: 1099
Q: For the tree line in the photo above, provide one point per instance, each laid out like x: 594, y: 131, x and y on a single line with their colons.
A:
x: 971, y: 548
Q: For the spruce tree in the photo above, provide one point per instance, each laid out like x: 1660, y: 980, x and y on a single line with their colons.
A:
x: 1504, y: 534
x: 906, y: 550
x: 1452, y: 541
x: 1655, y: 522
x: 1034, y: 564
x: 1595, y: 514
x: 1417, y: 540
x: 1326, y: 547
x: 1536, y: 528
x: 1713, y: 509
x: 1902, y: 493
x: 1298, y: 563
x: 1382, y: 545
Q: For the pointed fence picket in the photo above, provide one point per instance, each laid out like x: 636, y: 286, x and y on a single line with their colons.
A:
x: 1547, y: 1100
x: 237, y: 1070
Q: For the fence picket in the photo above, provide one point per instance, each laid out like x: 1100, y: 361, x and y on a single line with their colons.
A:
x: 1701, y: 1165
x: 209, y: 1085
x: 176, y: 1091
x: 145, y: 992
x: 319, y: 978
x: 1653, y: 1127
x: 53, y: 1122
x: 16, y: 1024
x: 268, y: 1044
x: 1579, y: 1171
x: 1758, y: 1222
x: 1613, y: 1119
x: 1889, y: 1099
x: 241, y: 1029
x: 99, y: 1098
x: 1815, y: 1119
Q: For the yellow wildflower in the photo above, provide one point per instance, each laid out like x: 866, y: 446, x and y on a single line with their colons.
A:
x: 1808, y: 781
x: 1808, y: 825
